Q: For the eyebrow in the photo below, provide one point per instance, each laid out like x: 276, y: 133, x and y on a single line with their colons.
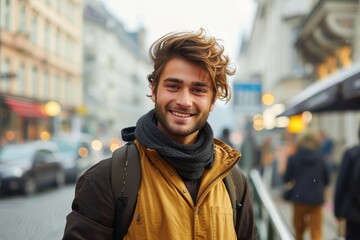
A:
x: 197, y: 84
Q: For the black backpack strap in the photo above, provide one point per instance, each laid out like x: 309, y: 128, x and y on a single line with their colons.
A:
x: 125, y: 182
x: 235, y: 186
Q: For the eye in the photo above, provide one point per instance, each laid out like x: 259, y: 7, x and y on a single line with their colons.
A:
x: 172, y: 86
x: 199, y: 90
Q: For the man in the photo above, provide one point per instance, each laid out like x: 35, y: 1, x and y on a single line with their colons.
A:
x: 182, y: 194
x: 345, y: 207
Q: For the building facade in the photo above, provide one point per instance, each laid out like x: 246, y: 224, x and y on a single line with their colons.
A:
x: 41, y: 62
x: 295, y: 45
x: 115, y: 71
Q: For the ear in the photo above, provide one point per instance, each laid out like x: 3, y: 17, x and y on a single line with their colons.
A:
x: 212, y: 106
x: 153, y: 95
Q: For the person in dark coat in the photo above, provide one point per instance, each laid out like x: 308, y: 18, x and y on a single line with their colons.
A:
x: 225, y: 137
x: 344, y: 207
x: 307, y: 170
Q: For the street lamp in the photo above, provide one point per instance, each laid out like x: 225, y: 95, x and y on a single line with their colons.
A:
x: 53, y: 110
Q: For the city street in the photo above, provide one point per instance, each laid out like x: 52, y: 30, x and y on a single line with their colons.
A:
x: 42, y: 216
x: 39, y: 217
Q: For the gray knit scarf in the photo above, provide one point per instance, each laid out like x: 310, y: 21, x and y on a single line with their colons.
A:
x: 189, y: 160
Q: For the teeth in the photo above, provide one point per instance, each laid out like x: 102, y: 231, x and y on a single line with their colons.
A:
x: 181, y: 114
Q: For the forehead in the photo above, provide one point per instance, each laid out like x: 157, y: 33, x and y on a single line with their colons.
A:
x: 185, y: 71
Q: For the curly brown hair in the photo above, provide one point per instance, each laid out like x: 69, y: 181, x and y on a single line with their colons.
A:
x: 198, y: 48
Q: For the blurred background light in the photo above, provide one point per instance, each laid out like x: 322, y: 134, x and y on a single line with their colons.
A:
x: 96, y: 145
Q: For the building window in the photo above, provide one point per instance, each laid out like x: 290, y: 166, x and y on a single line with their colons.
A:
x: 70, y: 49
x: 47, y: 36
x: 5, y: 14
x: 34, y: 31
x: 67, y: 46
x: 56, y: 88
x: 61, y: 89
x: 59, y: 6
x: 21, y: 79
x: 58, y: 42
x: 46, y: 85
x: 33, y: 82
x: 22, y: 18
x: 68, y: 90
x: 70, y: 11
x: 296, y: 65
x: 5, y: 72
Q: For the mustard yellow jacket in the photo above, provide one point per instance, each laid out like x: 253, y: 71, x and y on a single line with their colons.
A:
x: 165, y: 209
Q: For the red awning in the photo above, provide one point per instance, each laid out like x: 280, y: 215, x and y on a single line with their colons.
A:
x: 25, y: 108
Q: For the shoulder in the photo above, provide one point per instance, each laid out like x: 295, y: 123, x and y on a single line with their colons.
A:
x: 93, y: 194
x: 355, y: 151
x: 102, y: 168
x: 95, y: 178
x: 218, y: 144
x: 225, y: 154
x: 292, y: 158
x: 352, y: 152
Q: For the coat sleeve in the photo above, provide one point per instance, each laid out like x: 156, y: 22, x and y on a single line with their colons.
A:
x: 326, y: 175
x: 93, y: 207
x: 289, y: 172
x: 342, y: 184
x: 248, y: 230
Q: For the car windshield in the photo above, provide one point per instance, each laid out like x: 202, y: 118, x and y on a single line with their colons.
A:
x: 15, y: 152
x: 66, y: 145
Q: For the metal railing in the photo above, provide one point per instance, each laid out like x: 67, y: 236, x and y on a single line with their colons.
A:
x: 270, y: 222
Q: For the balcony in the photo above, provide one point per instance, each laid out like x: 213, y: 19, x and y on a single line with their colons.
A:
x: 329, y: 26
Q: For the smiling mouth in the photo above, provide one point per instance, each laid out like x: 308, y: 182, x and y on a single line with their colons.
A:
x: 182, y: 115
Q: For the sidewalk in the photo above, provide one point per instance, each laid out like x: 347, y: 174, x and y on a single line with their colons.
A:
x: 330, y: 225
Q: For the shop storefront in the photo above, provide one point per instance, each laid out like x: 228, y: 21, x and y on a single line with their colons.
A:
x: 24, y: 119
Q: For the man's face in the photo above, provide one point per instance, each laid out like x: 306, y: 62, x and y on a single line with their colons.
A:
x: 183, y: 100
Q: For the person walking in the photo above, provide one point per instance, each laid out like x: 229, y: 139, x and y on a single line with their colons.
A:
x: 327, y: 147
x: 346, y: 208
x: 225, y: 136
x: 307, y: 171
x: 182, y: 194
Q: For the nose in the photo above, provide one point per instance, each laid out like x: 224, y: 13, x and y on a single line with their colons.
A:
x: 184, y: 99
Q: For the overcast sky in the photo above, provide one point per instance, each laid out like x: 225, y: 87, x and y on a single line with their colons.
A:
x: 227, y: 19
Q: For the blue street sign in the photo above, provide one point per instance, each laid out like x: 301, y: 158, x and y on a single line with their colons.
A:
x: 247, y: 97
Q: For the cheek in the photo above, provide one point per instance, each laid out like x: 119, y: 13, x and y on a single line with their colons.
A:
x: 163, y: 96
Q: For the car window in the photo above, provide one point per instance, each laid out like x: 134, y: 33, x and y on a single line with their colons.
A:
x: 65, y: 146
x: 44, y: 155
x: 15, y: 152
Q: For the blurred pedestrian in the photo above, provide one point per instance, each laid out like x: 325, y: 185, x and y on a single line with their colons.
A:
x: 225, y: 137
x: 327, y: 145
x: 306, y: 170
x: 346, y: 207
x: 267, y: 158
x: 250, y: 152
x: 182, y: 194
